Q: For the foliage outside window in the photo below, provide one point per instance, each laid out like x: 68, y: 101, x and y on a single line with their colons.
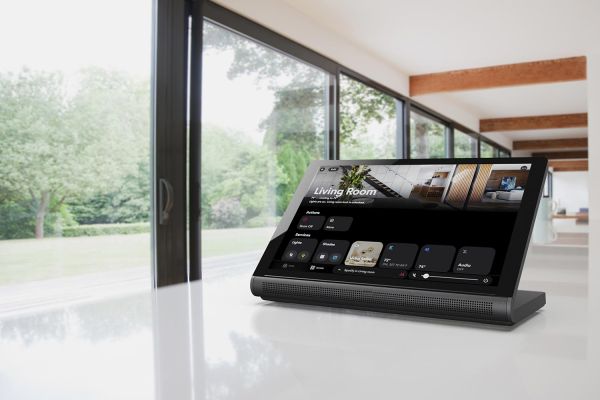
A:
x: 72, y: 157
x: 427, y: 137
x: 367, y: 121
x: 265, y: 117
x: 487, y: 150
x: 465, y: 146
x: 503, y: 153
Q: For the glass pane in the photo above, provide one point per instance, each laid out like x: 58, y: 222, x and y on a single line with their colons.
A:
x: 265, y: 117
x: 503, y: 153
x: 465, y: 146
x: 427, y: 137
x: 74, y: 150
x: 487, y: 150
x: 367, y: 122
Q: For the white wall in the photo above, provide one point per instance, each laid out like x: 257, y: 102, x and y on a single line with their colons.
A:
x: 570, y: 190
x: 593, y: 86
x: 289, y: 22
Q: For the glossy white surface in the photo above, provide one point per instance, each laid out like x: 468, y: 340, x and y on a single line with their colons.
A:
x: 214, y: 340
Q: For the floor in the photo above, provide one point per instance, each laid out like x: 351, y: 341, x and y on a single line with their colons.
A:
x: 214, y: 340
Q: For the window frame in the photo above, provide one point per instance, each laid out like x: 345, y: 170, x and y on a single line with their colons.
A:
x: 448, y: 130
x: 495, y: 146
x: 400, y: 104
x: 206, y: 10
x: 472, y: 135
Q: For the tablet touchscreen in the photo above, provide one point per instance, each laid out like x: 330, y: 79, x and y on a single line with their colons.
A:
x: 443, y: 225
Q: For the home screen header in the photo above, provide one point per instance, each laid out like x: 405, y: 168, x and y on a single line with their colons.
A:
x: 449, y: 186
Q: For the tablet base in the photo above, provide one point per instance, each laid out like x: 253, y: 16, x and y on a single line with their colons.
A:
x: 426, y: 303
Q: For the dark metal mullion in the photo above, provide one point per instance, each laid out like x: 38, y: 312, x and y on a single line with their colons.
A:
x: 333, y: 144
x: 169, y: 101
x: 335, y: 151
x: 400, y: 153
x: 449, y: 141
x: 195, y: 141
x: 407, y: 111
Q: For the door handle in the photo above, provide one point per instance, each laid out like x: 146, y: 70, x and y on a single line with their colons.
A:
x: 165, y: 201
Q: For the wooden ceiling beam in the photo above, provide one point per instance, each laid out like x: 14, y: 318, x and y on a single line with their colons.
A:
x: 559, y: 121
x: 560, y: 144
x: 562, y: 155
x: 527, y: 73
x: 568, y: 165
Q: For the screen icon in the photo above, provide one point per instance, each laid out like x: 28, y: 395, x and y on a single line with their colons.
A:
x: 299, y: 249
x: 338, y: 224
x: 364, y: 254
x: 474, y: 260
x: 435, y: 258
x: 311, y: 222
x: 330, y: 251
x: 398, y: 255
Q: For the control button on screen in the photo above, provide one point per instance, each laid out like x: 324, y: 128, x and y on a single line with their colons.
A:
x: 474, y: 260
x: 330, y: 251
x: 311, y: 222
x: 364, y: 254
x: 338, y: 224
x: 299, y: 249
x: 434, y: 257
x: 398, y: 255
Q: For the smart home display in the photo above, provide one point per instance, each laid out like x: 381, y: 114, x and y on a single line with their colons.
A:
x: 446, y: 226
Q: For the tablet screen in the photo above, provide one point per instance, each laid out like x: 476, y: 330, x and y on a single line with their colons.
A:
x: 426, y: 225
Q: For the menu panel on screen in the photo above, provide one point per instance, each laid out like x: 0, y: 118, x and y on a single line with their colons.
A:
x: 408, y: 224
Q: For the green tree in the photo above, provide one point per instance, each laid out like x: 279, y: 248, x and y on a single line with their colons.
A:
x: 360, y: 106
x: 427, y: 138
x: 55, y: 146
x: 295, y: 129
x: 239, y: 171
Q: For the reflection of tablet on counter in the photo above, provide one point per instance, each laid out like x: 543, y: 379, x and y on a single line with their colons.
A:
x: 441, y: 238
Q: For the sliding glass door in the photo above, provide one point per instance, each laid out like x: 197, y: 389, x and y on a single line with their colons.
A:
x: 74, y: 150
x: 265, y: 116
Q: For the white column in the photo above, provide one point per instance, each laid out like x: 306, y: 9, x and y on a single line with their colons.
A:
x: 593, y: 82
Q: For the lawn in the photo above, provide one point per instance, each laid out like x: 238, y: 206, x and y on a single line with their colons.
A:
x: 30, y: 259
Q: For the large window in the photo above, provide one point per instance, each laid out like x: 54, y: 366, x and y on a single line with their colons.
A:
x: 368, y: 122
x: 503, y: 153
x: 465, y: 145
x: 265, y: 117
x: 427, y: 137
x: 74, y: 150
x: 487, y: 150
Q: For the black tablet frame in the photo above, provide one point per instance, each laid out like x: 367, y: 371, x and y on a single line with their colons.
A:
x: 515, y: 255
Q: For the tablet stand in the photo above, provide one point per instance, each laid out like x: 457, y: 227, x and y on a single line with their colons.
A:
x: 428, y: 303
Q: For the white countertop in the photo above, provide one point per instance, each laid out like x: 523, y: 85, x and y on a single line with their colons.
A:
x: 214, y: 340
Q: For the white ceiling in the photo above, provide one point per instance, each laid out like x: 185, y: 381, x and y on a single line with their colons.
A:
x: 436, y: 35
x: 521, y: 101
x: 418, y: 37
x: 540, y: 134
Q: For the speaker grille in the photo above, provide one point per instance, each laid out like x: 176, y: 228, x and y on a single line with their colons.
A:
x: 398, y: 301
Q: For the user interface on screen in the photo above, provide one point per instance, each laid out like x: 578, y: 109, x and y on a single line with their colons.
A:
x: 448, y: 223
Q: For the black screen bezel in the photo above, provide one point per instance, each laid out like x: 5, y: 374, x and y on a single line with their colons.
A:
x: 515, y: 255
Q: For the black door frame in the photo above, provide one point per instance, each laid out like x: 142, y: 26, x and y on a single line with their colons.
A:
x: 169, y: 141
